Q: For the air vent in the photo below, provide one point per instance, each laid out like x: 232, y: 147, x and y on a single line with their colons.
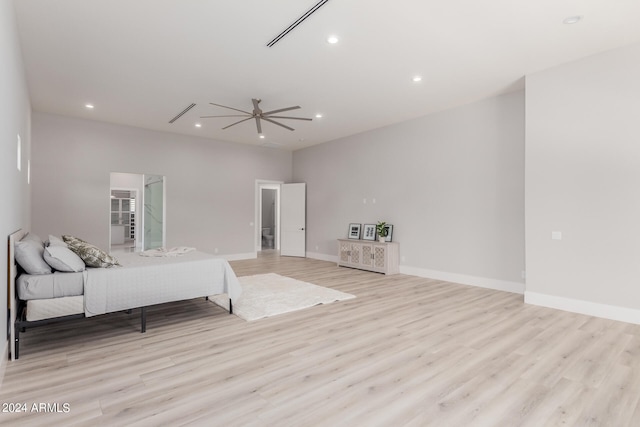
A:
x: 180, y: 114
x: 297, y: 22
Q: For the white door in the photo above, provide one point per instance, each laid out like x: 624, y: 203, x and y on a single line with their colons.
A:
x: 293, y: 213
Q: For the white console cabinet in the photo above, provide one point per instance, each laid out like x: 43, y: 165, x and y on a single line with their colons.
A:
x: 369, y: 255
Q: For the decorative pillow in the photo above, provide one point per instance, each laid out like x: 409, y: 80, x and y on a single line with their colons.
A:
x: 56, y: 241
x: 29, y: 253
x: 62, y: 258
x: 90, y: 254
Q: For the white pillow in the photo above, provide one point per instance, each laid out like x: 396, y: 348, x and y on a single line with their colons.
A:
x: 29, y: 255
x: 56, y: 241
x: 62, y: 258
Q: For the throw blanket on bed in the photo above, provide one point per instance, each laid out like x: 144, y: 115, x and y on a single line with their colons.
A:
x: 141, y: 281
x: 179, y: 250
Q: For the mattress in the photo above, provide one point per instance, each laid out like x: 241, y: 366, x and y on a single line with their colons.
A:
x: 39, y: 309
x: 46, y: 286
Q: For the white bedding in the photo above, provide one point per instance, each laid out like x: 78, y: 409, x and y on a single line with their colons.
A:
x: 45, y: 286
x: 144, y: 281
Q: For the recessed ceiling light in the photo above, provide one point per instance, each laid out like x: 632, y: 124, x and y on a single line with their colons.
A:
x: 417, y: 79
x: 89, y: 106
x: 261, y: 136
x: 198, y: 125
x: 572, y: 20
x: 332, y: 39
x: 318, y: 116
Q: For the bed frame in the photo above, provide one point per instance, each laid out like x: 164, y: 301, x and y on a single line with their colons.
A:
x: 13, y: 303
x: 17, y: 308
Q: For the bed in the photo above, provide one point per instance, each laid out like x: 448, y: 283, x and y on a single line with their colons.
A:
x: 136, y: 283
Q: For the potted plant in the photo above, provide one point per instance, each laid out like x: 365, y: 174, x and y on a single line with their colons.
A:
x: 381, y: 229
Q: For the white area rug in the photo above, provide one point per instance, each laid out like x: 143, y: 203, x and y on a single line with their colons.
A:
x: 266, y: 295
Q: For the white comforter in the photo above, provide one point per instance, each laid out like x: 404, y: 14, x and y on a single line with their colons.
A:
x: 144, y: 281
x: 177, y: 251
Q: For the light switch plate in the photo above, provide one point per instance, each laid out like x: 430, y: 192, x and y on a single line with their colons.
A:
x: 556, y: 235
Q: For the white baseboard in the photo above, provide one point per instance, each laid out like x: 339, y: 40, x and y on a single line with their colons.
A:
x: 3, y: 361
x: 605, y: 311
x: 482, y: 282
x: 322, y: 257
x: 239, y: 257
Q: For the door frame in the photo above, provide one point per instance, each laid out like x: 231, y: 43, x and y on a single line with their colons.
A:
x: 268, y: 185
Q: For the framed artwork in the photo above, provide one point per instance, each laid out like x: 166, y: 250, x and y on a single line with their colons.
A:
x: 354, y: 231
x: 389, y: 229
x: 369, y: 232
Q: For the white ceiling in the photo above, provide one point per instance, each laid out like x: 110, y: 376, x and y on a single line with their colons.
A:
x: 141, y: 62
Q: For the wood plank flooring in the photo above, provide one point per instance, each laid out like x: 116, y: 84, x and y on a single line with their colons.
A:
x: 407, y: 351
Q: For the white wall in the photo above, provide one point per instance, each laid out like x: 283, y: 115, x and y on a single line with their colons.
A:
x: 210, y: 185
x: 452, y: 184
x: 583, y: 179
x: 127, y: 181
x: 15, y: 111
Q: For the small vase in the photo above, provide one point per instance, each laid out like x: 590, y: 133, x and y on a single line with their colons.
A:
x: 382, y: 239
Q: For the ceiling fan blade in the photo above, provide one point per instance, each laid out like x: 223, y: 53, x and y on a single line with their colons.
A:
x: 281, y: 110
x: 234, y: 115
x: 292, y: 118
x: 231, y: 108
x: 233, y: 124
x: 256, y: 107
x: 276, y: 123
x: 258, y: 125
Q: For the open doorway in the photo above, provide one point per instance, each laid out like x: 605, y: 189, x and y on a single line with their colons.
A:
x: 267, y: 215
x: 124, y: 215
x: 137, y: 212
x: 268, y: 222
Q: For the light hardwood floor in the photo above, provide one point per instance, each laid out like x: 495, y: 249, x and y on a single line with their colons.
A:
x: 407, y: 351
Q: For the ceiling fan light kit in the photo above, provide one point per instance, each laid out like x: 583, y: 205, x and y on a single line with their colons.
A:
x: 258, y: 115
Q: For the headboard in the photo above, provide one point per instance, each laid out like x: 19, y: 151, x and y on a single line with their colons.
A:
x: 13, y: 303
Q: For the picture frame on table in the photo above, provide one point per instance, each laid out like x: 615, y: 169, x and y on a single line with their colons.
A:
x: 369, y: 232
x: 389, y: 228
x: 354, y: 231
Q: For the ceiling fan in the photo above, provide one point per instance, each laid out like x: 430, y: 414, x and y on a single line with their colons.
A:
x: 259, y: 115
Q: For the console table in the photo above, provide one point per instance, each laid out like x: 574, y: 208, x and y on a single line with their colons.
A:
x: 369, y: 255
